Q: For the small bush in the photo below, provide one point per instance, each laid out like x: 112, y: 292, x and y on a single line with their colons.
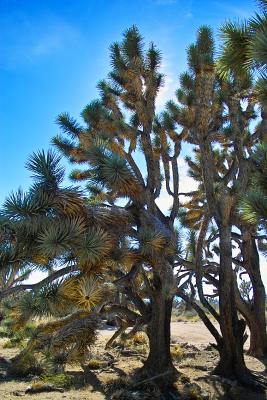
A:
x: 4, y: 332
x: 29, y: 329
x: 177, y: 353
x: 140, y: 338
x: 94, y: 363
x: 57, y: 380
x: 9, y: 344
x: 192, y: 391
x: 139, y: 342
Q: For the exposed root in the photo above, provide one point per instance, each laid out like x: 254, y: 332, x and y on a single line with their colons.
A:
x: 246, y: 378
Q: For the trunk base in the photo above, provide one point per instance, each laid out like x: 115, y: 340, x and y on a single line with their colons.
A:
x: 242, y: 375
x: 163, y: 378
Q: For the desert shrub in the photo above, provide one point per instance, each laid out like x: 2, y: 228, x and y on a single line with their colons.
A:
x: 10, y: 344
x: 58, y: 380
x: 4, y: 333
x: 193, y: 391
x: 138, y: 342
x: 16, y: 338
x: 55, y: 362
x: 140, y: 338
x: 95, y: 363
x: 177, y: 353
x: 29, y: 329
x: 184, y: 316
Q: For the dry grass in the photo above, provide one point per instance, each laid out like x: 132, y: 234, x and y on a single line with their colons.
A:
x: 138, y: 343
x: 177, y: 353
x: 95, y: 363
x: 189, y: 316
x: 57, y: 380
x: 126, y: 388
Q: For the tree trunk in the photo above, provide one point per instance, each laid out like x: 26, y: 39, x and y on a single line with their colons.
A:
x: 231, y: 364
x: 258, y: 337
x: 159, y: 361
x: 256, y: 319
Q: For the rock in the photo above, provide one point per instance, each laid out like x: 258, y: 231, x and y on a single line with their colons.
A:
x: 19, y: 393
x: 128, y: 353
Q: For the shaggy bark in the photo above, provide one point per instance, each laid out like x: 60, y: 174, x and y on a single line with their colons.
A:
x: 231, y: 364
x: 254, y: 312
x: 159, y: 360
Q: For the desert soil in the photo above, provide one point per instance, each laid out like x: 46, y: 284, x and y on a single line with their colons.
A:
x: 197, y: 364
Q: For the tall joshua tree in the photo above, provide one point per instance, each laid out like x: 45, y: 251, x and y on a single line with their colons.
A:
x: 246, y: 260
x: 115, y: 126
x: 211, y: 113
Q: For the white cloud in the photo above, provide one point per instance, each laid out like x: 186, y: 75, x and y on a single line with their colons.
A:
x: 167, y: 91
x: 186, y: 184
x: 235, y: 10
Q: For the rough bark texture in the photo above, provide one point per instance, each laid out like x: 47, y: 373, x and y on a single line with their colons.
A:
x: 159, y: 361
x: 256, y: 316
x: 231, y: 364
x: 258, y: 341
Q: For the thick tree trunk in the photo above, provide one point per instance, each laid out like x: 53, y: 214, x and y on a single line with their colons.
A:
x: 231, y: 364
x: 256, y: 318
x: 159, y: 362
x: 258, y: 337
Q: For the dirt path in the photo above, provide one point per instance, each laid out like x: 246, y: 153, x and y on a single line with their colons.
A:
x: 191, y: 332
x: 181, y: 332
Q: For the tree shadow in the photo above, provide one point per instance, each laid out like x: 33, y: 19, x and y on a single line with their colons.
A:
x: 224, y: 391
x: 88, y: 378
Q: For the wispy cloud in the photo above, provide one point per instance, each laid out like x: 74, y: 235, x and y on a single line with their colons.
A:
x: 24, y: 41
x: 186, y: 184
x: 167, y: 91
x: 240, y: 12
x: 189, y: 15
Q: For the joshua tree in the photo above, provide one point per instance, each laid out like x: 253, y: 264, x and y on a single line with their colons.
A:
x: 254, y: 205
x: 246, y: 261
x: 52, y: 228
x: 210, y: 111
x: 245, y: 44
x: 122, y: 121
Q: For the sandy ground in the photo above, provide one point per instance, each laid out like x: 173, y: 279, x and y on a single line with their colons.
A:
x: 197, y: 364
x: 192, y: 332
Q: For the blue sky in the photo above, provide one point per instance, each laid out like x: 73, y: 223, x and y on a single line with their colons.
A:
x: 53, y: 52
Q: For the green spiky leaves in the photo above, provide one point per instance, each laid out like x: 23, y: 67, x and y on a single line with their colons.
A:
x: 60, y: 236
x: 201, y: 54
x: 46, y: 169
x: 153, y: 243
x: 94, y: 247
x: 20, y: 205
